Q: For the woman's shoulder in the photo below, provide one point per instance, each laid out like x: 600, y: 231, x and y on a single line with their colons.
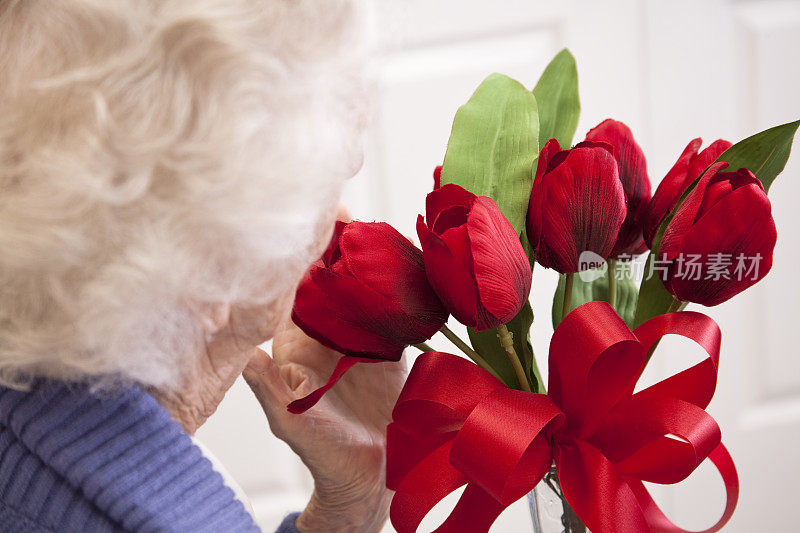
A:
x: 72, y: 456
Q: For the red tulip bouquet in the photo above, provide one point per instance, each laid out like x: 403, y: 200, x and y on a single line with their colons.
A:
x: 513, y: 191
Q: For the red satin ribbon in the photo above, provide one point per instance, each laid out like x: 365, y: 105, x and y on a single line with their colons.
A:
x: 455, y: 424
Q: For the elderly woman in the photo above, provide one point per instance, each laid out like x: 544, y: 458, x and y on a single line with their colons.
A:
x: 168, y: 170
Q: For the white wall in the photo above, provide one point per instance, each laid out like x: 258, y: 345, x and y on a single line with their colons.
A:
x: 672, y: 70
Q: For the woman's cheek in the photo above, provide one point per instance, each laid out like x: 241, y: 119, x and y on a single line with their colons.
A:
x: 255, y: 325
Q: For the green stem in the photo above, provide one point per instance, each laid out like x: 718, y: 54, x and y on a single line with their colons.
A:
x: 423, y: 347
x: 570, y: 520
x: 566, y: 308
x: 612, y: 283
x: 507, y: 342
x: 469, y: 352
x: 676, y: 306
x: 540, y: 388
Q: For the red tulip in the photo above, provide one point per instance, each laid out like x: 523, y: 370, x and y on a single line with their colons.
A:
x: 473, y: 257
x: 437, y: 177
x: 632, y: 169
x: 577, y: 204
x: 688, y: 168
x: 720, y: 240
x: 368, y: 297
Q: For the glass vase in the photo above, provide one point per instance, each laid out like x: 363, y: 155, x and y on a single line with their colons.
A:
x: 550, y: 512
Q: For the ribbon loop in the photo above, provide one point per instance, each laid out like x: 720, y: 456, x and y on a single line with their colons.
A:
x: 455, y: 424
x: 424, y: 486
x: 589, y: 374
x: 433, y: 402
x: 658, y: 521
x: 695, y: 384
x: 502, y: 430
x: 640, y: 437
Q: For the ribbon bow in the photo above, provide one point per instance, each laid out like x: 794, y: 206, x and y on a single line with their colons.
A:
x: 455, y: 424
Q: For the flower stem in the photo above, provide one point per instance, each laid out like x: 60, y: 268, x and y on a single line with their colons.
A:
x: 469, y: 352
x: 612, y: 283
x: 565, y: 309
x: 570, y: 520
x: 507, y: 342
x: 423, y: 347
x: 675, y: 306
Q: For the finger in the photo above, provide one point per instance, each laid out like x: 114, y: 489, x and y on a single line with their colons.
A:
x: 294, y: 350
x: 287, y: 344
x: 299, y: 379
x: 402, y: 364
x: 265, y: 380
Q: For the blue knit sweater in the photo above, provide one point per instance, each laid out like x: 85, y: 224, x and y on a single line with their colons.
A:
x: 72, y: 460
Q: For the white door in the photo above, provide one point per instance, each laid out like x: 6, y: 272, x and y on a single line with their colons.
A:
x: 672, y: 71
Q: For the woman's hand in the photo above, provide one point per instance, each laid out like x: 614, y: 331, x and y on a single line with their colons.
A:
x: 342, y: 440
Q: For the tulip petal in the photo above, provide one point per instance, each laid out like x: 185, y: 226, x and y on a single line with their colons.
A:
x: 685, y: 215
x: 740, y: 224
x: 332, y: 253
x: 448, y: 275
x: 718, y: 188
x: 534, y: 219
x: 452, y: 217
x: 583, y: 207
x: 689, y: 167
x: 669, y: 190
x: 705, y: 158
x: 447, y: 196
x: 457, y: 241
x: 633, y: 174
x: 388, y: 263
x: 592, y: 144
x: 502, y: 271
x: 337, y: 311
x: 548, y: 152
x: 307, y: 402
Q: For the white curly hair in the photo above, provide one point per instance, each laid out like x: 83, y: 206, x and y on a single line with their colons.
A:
x: 156, y: 153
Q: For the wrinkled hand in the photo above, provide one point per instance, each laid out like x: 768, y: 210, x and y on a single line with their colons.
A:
x: 342, y: 439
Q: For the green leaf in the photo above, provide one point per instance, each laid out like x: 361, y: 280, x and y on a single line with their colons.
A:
x: 596, y: 288
x: 487, y: 344
x: 654, y: 298
x: 764, y: 154
x: 557, y: 97
x: 493, y: 144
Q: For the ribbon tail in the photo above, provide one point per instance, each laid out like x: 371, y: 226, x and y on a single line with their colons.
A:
x: 475, y: 511
x: 345, y: 363
x: 424, y: 486
x: 405, y: 451
x: 658, y: 521
x: 598, y: 494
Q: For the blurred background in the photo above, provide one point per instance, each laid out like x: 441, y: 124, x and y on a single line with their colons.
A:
x: 672, y: 71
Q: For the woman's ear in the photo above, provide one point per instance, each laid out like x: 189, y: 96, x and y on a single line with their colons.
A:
x: 214, y: 316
